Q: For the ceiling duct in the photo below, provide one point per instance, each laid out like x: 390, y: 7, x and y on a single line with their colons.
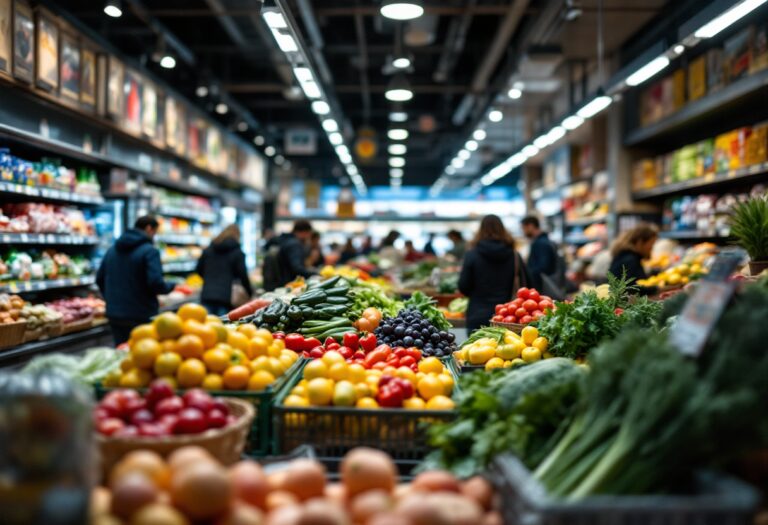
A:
x: 421, y: 31
x: 537, y: 70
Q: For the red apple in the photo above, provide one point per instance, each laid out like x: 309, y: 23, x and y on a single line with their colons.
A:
x: 216, y: 419
x: 142, y: 416
x: 191, y: 421
x: 219, y: 404
x: 109, y: 426
x: 148, y: 429
x: 127, y: 431
x: 159, y: 389
x: 169, y: 405
x: 199, y: 399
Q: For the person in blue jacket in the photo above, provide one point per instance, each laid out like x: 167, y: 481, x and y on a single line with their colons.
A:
x: 542, y: 255
x: 130, y: 279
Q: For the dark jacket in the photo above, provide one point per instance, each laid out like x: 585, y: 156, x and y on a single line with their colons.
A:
x: 542, y: 259
x: 131, y: 277
x: 491, y: 273
x: 631, y: 262
x: 292, y: 258
x: 221, y: 265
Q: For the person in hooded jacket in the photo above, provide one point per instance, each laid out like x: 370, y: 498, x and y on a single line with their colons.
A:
x: 130, y: 278
x: 492, y: 272
x: 222, y: 265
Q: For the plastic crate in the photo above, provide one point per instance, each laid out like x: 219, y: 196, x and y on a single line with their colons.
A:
x: 334, y: 431
x: 260, y: 437
x: 717, y: 500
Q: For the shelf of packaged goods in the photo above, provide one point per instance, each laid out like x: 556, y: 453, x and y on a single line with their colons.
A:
x: 69, y: 343
x: 545, y: 191
x: 583, y: 221
x: 182, y: 238
x: 756, y: 173
x: 179, y: 266
x: 183, y: 213
x: 693, y: 235
x: 738, y: 93
x: 51, y: 194
x: 582, y: 239
x: 380, y: 218
x: 48, y: 238
x: 51, y: 284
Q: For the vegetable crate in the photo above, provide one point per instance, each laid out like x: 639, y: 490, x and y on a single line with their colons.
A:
x: 464, y: 368
x: 334, y: 431
x: 716, y: 500
x: 260, y: 435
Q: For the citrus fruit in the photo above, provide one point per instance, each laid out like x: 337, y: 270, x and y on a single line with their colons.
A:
x: 366, y: 402
x: 316, y: 368
x: 440, y: 403
x: 236, y: 377
x: 447, y: 382
x: 167, y: 363
x: 260, y: 380
x: 143, y: 331
x: 248, y: 329
x: 193, y: 311
x: 430, y: 387
x: 258, y: 346
x: 414, y: 403
x: 190, y: 345
x: 344, y: 394
x: 135, y: 378
x: 168, y: 325
x: 213, y: 382
x: 216, y: 359
x: 339, y: 371
x: 299, y: 390
x: 362, y: 390
x: 169, y: 345
x: 541, y: 343
x: 320, y: 391
x: 529, y: 334
x: 296, y: 401
x: 494, y: 362
x: 237, y: 340
x: 531, y: 354
x: 331, y: 357
x: 190, y: 373
x: 144, y: 352
x: 356, y: 373
x: 430, y: 364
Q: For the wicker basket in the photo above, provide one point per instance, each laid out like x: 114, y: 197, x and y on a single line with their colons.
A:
x: 225, y: 444
x: 77, y: 326
x: 514, y: 327
x: 33, y: 335
x: 12, y: 334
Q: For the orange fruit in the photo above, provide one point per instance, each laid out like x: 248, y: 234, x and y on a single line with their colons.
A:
x: 248, y: 329
x: 193, y: 311
x: 260, y: 380
x: 237, y: 340
x: 143, y: 331
x: 168, y: 325
x: 216, y: 360
x: 169, y: 345
x: 440, y: 403
x: 221, y: 331
x: 190, y: 373
x: 144, y: 352
x: 238, y: 357
x: 320, y: 391
x: 167, y: 363
x: 213, y: 382
x: 205, y: 332
x: 190, y: 345
x: 135, y: 378
x: 430, y: 387
x: 236, y: 377
x: 212, y: 319
x: 127, y: 363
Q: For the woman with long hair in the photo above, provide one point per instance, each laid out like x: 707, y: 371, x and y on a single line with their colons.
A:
x: 222, y: 265
x: 492, y: 271
x: 630, y: 249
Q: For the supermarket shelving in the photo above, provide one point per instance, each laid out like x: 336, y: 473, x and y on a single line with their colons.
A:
x: 182, y: 238
x: 584, y: 221
x: 583, y: 239
x: 183, y: 213
x: 179, y: 266
x: 48, y: 239
x: 51, y: 284
x: 754, y: 173
x: 692, y: 235
x: 379, y: 218
x: 70, y: 343
x: 50, y: 194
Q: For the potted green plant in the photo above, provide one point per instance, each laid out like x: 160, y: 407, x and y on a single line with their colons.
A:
x: 749, y: 227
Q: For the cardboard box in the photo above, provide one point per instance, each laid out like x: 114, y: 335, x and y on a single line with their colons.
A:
x: 737, y: 52
x: 715, y: 70
x: 697, y: 78
x: 679, y: 89
x: 667, y: 96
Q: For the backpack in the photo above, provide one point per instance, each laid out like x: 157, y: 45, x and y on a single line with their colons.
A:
x: 272, y: 271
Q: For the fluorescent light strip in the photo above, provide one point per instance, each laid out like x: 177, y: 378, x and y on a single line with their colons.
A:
x: 572, y: 122
x: 397, y: 149
x: 396, y: 162
x: 330, y: 125
x: 555, y: 134
x: 595, y: 106
x: 479, y: 134
x: 396, y: 173
x: 397, y: 134
x: 471, y: 145
x: 321, y: 107
x: 726, y: 19
x: 647, y: 71
x: 335, y: 138
x: 530, y: 150
x: 541, y: 141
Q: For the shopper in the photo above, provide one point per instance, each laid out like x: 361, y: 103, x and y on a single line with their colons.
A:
x: 628, y: 253
x: 222, y: 267
x: 429, y: 248
x: 130, y: 279
x: 315, y: 256
x: 286, y: 260
x: 492, y: 272
x: 411, y: 253
x: 387, y: 250
x: 542, y: 255
x: 367, y: 247
x: 348, y: 252
x: 459, y: 245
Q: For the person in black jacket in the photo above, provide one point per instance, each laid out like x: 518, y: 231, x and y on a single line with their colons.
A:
x: 130, y: 279
x: 629, y: 251
x: 492, y: 272
x: 221, y: 266
x: 542, y: 256
x: 291, y: 257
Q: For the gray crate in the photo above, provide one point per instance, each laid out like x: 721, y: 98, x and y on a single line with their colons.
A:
x: 718, y: 500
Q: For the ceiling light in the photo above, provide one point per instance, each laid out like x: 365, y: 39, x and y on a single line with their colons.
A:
x: 594, y: 106
x: 330, y: 125
x: 113, y: 9
x: 572, y: 122
x: 397, y: 134
x: 321, y: 107
x: 398, y: 116
x: 555, y: 134
x: 713, y: 27
x: 402, y: 9
x: 457, y: 163
x: 269, y: 151
x: 530, y: 150
x: 335, y: 138
x: 242, y: 126
x: 541, y: 141
x: 401, y: 63
x: 399, y: 90
x: 678, y: 49
x: 285, y: 42
x: 274, y: 19
x: 495, y: 116
x: 396, y: 162
x: 342, y: 150
x: 258, y: 140
x: 514, y: 93
x: 463, y: 154
x: 395, y: 183
x: 396, y: 173
x: 471, y: 145
x: 352, y: 170
x: 201, y: 91
x: 648, y: 70
x: 168, y: 62
x: 303, y: 74
x: 450, y: 170
x: 397, y: 149
x: 279, y: 159
x: 479, y: 134
x: 221, y: 108
x: 345, y: 159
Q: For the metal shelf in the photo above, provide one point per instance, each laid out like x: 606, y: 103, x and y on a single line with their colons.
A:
x: 179, y: 266
x: 48, y: 238
x: 183, y: 213
x: 692, y: 235
x: 756, y: 171
x: 50, y: 194
x: 582, y: 221
x: 52, y: 284
x: 182, y: 238
x: 380, y: 218
x: 65, y: 343
x: 581, y: 239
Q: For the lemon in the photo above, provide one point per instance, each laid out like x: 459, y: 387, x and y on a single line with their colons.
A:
x: 320, y: 391
x: 440, y: 403
x: 531, y: 354
x: 316, y: 368
x: 414, y: 403
x: 493, y: 363
x: 296, y: 401
x: 529, y: 334
x: 299, y: 390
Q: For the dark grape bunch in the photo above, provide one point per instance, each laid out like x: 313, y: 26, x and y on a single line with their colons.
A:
x: 410, y: 328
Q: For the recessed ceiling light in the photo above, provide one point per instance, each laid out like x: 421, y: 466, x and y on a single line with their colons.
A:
x: 514, y: 93
x: 168, y: 62
x: 269, y: 151
x: 221, y: 108
x: 401, y: 62
x: 242, y: 126
x: 396, y: 162
x: 258, y: 140
x: 402, y: 9
x: 479, y: 134
x: 495, y: 115
x: 398, y: 116
x: 201, y: 91
x: 397, y: 134
x: 113, y: 8
x: 678, y: 49
x: 397, y: 149
x: 396, y: 173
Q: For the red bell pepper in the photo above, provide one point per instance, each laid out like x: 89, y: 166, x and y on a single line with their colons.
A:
x: 368, y: 342
x: 295, y: 342
x: 351, y: 340
x: 379, y: 354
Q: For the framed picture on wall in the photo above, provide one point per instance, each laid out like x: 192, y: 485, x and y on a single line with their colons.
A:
x: 5, y: 35
x: 88, y: 77
x: 23, y: 42
x: 47, y: 64
x: 115, y: 88
x: 70, y: 67
x: 132, y: 95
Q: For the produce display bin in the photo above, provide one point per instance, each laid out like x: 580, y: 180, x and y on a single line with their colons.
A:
x: 334, y: 431
x: 12, y: 334
x: 464, y: 368
x: 716, y: 500
x: 260, y: 435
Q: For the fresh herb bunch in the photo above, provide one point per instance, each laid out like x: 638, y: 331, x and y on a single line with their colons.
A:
x: 492, y: 332
x: 365, y: 295
x: 426, y: 305
x: 749, y: 226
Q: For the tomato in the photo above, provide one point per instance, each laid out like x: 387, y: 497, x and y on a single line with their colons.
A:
x: 127, y: 431
x: 520, y: 312
x: 533, y: 295
x: 504, y: 312
x: 142, y: 416
x: 109, y: 426
x: 149, y: 429
x: 530, y: 305
x: 364, y: 325
x: 381, y: 365
x: 317, y: 352
x: 407, y: 360
x: 513, y: 319
x: 191, y: 421
x: 544, y: 305
x: 169, y: 405
x: 497, y: 319
x: 508, y: 319
x: 537, y: 313
x: 199, y: 399
x: 499, y: 307
x: 522, y: 293
x: 414, y: 352
x: 159, y: 389
x: 236, y: 377
x: 401, y: 352
x: 216, y: 419
x: 526, y: 319
x: 345, y: 352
